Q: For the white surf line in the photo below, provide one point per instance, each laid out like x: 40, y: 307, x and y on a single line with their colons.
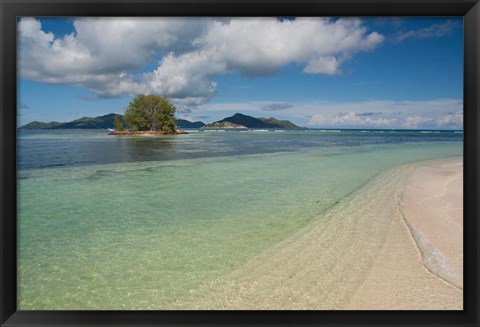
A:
x: 426, y: 255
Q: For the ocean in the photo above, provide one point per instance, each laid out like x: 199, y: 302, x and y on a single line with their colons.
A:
x: 124, y: 223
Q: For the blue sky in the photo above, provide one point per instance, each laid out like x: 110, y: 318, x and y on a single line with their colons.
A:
x: 316, y: 72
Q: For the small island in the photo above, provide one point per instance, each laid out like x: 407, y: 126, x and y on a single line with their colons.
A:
x: 239, y: 121
x: 147, y: 115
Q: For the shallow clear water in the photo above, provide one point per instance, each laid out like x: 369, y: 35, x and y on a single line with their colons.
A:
x: 110, y: 222
x: 66, y: 148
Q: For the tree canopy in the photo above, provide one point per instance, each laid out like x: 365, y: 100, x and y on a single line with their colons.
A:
x: 118, y: 123
x: 150, y: 112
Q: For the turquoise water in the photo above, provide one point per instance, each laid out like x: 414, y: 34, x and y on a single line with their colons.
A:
x: 138, y: 229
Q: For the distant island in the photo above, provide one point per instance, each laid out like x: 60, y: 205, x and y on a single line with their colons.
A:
x: 108, y: 121
x: 100, y: 122
x: 243, y: 121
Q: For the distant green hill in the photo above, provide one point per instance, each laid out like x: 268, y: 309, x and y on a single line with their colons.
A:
x: 241, y: 121
x: 182, y: 123
x: 100, y: 122
x: 283, y: 123
x: 40, y: 125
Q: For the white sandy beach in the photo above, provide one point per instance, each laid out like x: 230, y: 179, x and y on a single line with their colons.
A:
x: 396, y: 244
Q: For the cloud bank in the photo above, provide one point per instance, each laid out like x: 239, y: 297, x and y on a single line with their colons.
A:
x: 109, y: 56
x: 432, y: 114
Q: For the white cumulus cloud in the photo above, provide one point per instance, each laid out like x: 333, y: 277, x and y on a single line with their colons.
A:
x: 259, y: 46
x: 104, y: 55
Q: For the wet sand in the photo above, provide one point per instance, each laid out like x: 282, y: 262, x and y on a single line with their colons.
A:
x: 394, y: 244
x: 431, y: 206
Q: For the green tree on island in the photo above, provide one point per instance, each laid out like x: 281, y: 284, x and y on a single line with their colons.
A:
x: 151, y: 113
x: 118, y: 123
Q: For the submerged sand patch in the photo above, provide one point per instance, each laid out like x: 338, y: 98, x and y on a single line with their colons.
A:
x: 363, y: 254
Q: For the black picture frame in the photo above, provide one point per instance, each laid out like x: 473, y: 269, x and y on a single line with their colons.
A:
x: 11, y: 9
